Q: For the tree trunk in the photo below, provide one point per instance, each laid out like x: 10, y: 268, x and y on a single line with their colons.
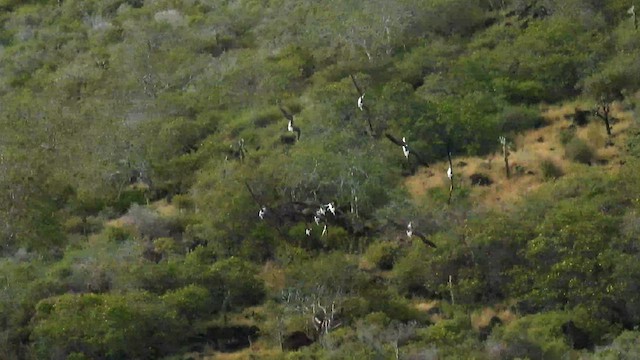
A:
x: 505, y: 153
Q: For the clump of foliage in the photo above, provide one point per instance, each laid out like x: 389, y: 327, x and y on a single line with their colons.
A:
x: 550, y: 170
x: 155, y: 203
x: 579, y: 151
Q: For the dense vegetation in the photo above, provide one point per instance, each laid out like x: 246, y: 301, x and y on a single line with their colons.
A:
x: 141, y: 139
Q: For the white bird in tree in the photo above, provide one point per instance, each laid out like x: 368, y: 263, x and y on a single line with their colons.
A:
x: 423, y: 237
x: 405, y: 147
x: 331, y: 208
x: 361, y: 105
x: 316, y: 219
x: 406, y: 150
x: 450, y: 173
x: 290, y: 126
x: 307, y: 232
x: 321, y: 212
x: 262, y: 212
x: 324, y: 230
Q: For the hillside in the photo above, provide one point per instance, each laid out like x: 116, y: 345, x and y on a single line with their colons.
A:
x: 268, y: 179
x: 528, y: 151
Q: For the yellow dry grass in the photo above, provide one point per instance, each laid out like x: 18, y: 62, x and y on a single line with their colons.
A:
x: 122, y: 221
x: 426, y: 306
x: 483, y: 318
x: 164, y: 208
x: 528, y: 150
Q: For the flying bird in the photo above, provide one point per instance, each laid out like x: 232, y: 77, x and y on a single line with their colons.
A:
x: 290, y: 125
x: 406, y: 149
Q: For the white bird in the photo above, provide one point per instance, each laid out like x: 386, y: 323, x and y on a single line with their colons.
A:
x: 290, y: 126
x: 324, y: 230
x: 316, y: 219
x: 409, y: 230
x: 321, y: 211
x: 307, y: 231
x: 262, y: 212
x: 405, y: 148
x: 361, y: 102
x: 632, y: 10
x: 449, y: 173
x: 331, y: 208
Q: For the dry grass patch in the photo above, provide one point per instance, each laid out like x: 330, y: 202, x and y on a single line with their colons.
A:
x: 483, y: 317
x: 528, y: 151
x: 163, y: 208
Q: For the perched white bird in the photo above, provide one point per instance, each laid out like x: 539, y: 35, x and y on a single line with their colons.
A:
x: 361, y: 102
x: 290, y: 126
x: 324, y: 230
x: 632, y: 10
x: 423, y: 237
x: 262, y: 212
x: 405, y: 147
x: 449, y: 173
x: 307, y: 231
x: 321, y: 211
x: 316, y: 219
x: 331, y: 208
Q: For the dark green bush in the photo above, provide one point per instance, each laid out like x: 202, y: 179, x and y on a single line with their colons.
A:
x: 133, y: 325
x: 191, y: 301
x: 579, y: 151
x: 521, y: 118
x: 382, y: 254
x: 550, y: 170
x: 119, y: 233
x: 127, y: 198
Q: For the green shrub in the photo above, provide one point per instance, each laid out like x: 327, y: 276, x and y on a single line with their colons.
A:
x: 521, y: 118
x: 129, y: 197
x: 382, y: 254
x: 233, y: 283
x: 579, y: 151
x: 625, y: 346
x: 566, y: 135
x: 183, y: 202
x: 133, y: 325
x: 191, y: 301
x: 148, y: 223
x: 534, y: 336
x: 118, y: 233
x: 550, y: 170
x: 73, y: 225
